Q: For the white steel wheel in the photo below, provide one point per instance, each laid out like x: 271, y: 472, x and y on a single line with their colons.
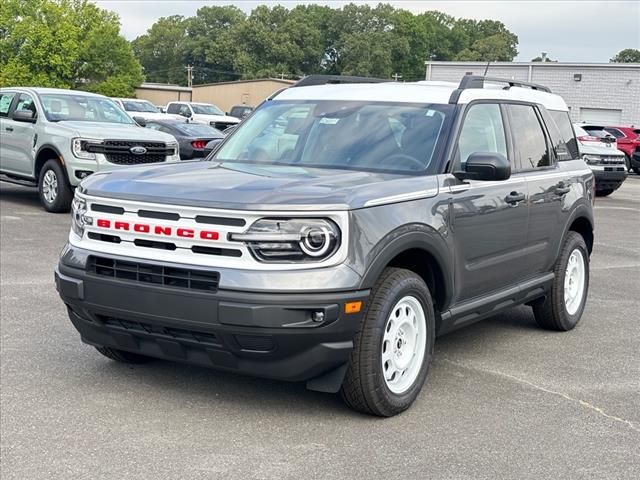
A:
x: 50, y: 186
x: 574, y: 281
x: 404, y: 344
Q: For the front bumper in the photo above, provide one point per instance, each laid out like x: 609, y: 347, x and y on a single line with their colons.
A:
x: 609, y: 177
x: 269, y: 335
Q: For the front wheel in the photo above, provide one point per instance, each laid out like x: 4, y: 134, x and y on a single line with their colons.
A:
x: 394, y: 347
x: 562, y: 308
x: 53, y: 188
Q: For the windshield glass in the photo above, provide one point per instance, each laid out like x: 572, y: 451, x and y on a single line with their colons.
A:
x: 139, y: 106
x: 206, y: 109
x: 198, y: 130
x: 399, y: 138
x: 82, y: 108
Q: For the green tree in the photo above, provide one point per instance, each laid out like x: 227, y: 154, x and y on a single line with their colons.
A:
x: 628, y: 55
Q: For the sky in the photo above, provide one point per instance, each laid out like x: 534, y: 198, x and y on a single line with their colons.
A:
x: 568, y: 30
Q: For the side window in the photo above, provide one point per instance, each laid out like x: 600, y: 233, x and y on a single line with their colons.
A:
x: 482, y: 131
x: 563, y: 123
x: 185, y: 110
x: 529, y: 138
x: 173, y: 108
x: 25, y: 102
x: 5, y: 103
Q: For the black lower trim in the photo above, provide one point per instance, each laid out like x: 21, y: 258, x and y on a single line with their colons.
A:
x: 606, y: 180
x: 267, y: 335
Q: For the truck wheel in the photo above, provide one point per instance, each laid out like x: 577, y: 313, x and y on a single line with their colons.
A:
x: 53, y: 188
x: 562, y: 308
x: 604, y: 193
x: 122, y: 355
x: 393, y: 348
x: 627, y: 161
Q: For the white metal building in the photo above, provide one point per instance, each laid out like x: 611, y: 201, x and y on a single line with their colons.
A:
x: 595, y: 92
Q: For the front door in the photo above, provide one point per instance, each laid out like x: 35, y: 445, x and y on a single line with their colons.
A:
x: 19, y: 139
x: 7, y: 155
x: 489, y: 218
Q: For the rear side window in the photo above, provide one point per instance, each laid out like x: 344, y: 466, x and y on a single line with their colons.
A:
x: 174, y: 108
x: 529, y: 138
x: 615, y: 132
x: 563, y: 122
x: 5, y: 103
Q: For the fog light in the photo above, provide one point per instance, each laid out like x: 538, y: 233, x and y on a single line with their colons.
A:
x: 317, y: 317
x: 83, y: 173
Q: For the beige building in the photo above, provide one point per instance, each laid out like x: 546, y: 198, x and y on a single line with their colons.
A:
x: 242, y: 92
x: 161, y: 94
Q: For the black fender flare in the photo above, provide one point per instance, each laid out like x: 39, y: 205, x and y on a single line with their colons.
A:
x: 582, y: 210
x: 47, y: 146
x: 408, y: 237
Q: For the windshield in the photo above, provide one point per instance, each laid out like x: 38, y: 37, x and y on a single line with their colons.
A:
x: 139, y: 106
x: 206, y: 109
x: 399, y: 138
x: 82, y: 108
x: 198, y: 130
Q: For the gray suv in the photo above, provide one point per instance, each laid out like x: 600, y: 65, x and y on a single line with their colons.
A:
x: 53, y: 138
x: 336, y: 233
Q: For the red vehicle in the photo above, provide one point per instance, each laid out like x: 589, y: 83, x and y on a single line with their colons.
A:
x: 627, y: 141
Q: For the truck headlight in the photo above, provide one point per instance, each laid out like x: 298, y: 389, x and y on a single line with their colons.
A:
x: 592, y: 159
x: 85, y: 147
x: 290, y: 240
x: 79, y: 217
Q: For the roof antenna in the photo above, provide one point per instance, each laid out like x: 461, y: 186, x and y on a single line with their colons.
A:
x: 486, y: 69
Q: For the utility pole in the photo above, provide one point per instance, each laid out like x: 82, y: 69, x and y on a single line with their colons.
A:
x: 189, y: 75
x: 396, y: 76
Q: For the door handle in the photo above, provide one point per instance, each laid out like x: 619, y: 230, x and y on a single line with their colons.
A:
x: 514, y: 197
x: 9, y: 129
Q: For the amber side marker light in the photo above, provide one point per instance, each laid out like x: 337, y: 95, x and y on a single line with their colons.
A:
x: 353, y: 307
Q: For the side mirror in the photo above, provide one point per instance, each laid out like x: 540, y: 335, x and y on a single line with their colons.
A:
x: 185, y: 114
x: 485, y: 166
x: 140, y: 121
x: 24, y: 116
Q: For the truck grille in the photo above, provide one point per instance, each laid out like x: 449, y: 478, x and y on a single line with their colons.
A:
x: 154, y: 274
x: 119, y: 151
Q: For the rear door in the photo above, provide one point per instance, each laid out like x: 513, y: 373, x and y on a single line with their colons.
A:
x: 489, y: 218
x: 548, y: 185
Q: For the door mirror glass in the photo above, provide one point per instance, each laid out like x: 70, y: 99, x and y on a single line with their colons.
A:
x: 24, y: 116
x: 485, y: 166
x: 140, y: 121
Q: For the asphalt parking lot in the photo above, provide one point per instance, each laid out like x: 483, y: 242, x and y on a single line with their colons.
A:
x: 503, y: 400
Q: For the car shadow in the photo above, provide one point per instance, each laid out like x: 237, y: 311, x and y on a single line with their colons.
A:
x: 244, y: 394
x: 27, y: 196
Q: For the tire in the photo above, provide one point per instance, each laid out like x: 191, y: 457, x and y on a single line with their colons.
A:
x: 555, y: 312
x: 604, y: 193
x: 122, y: 355
x: 365, y: 388
x: 627, y: 161
x: 53, y: 188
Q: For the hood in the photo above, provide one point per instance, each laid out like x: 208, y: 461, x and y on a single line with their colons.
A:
x: 115, y: 131
x: 589, y: 148
x: 239, y: 186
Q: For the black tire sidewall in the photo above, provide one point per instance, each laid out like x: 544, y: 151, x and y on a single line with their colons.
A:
x: 64, y: 196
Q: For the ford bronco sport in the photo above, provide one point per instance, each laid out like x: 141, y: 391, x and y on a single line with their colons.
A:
x: 336, y: 233
x: 53, y: 138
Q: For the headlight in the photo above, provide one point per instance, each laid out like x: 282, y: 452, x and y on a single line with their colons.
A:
x: 285, y: 240
x: 592, y: 159
x: 79, y: 217
x: 84, y: 147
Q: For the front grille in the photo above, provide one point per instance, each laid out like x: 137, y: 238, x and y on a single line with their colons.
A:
x: 159, y: 331
x: 119, y: 151
x: 173, y: 277
x: 221, y: 125
x: 612, y: 160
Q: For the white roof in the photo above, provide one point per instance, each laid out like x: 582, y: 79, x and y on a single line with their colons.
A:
x: 53, y: 91
x: 420, y: 92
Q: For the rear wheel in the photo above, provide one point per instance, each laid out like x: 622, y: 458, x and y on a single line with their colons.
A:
x: 122, y: 355
x: 53, y: 188
x: 604, y: 193
x: 562, y: 308
x: 393, y: 349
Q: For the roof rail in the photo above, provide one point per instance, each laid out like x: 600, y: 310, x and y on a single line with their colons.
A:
x: 335, y: 79
x: 478, y: 81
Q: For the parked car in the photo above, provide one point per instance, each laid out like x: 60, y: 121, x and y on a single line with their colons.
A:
x: 54, y: 138
x: 606, y: 161
x: 145, y: 110
x: 628, y: 141
x: 240, y: 111
x: 192, y: 137
x: 206, y: 113
x: 337, y: 263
